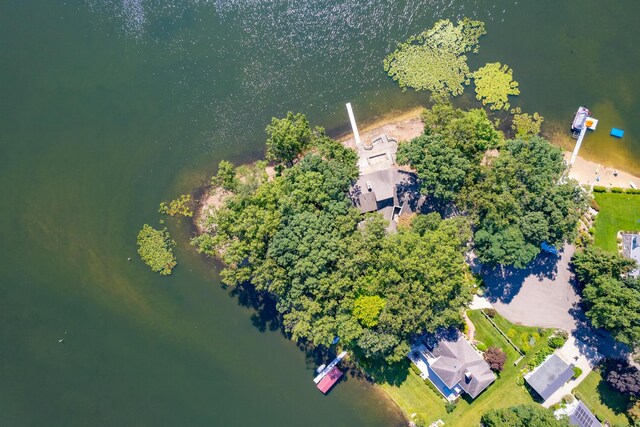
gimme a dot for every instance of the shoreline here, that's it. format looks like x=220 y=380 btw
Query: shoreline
x=403 y=126
x=408 y=124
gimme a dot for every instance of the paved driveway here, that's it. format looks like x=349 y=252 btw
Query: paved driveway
x=541 y=295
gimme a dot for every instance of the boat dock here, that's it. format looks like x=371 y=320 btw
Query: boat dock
x=329 y=375
x=330 y=379
x=329 y=367
x=581 y=122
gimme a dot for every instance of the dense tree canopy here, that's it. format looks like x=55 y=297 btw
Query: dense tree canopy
x=226 y=176
x=623 y=377
x=447 y=157
x=522 y=200
x=288 y=137
x=298 y=238
x=612 y=297
x=495 y=357
x=518 y=199
x=523 y=416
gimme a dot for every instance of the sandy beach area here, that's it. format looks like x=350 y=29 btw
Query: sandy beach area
x=408 y=125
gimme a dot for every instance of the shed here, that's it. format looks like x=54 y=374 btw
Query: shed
x=547 y=378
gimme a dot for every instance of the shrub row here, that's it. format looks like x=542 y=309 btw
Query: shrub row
x=601 y=189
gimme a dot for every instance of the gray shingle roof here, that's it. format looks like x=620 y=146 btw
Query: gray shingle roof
x=550 y=376
x=457 y=358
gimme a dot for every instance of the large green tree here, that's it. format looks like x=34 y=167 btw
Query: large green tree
x=611 y=296
x=288 y=138
x=447 y=157
x=593 y=262
x=523 y=199
x=443 y=169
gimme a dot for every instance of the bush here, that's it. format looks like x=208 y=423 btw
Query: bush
x=623 y=377
x=450 y=407
x=617 y=190
x=576 y=372
x=481 y=346
x=432 y=387
x=568 y=399
x=595 y=205
x=633 y=191
x=599 y=189
x=556 y=341
x=495 y=357
x=539 y=357
x=634 y=412
x=416 y=370
x=491 y=312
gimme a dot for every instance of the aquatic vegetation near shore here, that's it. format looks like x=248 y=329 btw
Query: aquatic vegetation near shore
x=155 y=247
x=526 y=125
x=494 y=83
x=434 y=59
x=177 y=207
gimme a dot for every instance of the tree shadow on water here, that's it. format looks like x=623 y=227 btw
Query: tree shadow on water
x=265 y=315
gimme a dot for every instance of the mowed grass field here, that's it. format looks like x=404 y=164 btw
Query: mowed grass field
x=602 y=400
x=426 y=406
x=618 y=211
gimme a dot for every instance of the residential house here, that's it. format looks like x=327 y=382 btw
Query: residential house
x=453 y=366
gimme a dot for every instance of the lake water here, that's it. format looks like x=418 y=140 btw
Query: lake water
x=109 y=107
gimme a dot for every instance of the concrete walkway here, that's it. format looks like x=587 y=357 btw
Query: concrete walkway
x=478 y=303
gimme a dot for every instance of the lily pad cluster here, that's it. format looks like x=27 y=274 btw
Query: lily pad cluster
x=435 y=59
x=494 y=83
x=526 y=125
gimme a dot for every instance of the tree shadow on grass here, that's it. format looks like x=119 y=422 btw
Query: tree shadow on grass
x=617 y=402
x=381 y=372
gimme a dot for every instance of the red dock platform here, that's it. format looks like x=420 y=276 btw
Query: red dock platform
x=329 y=380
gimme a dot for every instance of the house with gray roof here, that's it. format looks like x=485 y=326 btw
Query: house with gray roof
x=578 y=414
x=391 y=192
x=547 y=378
x=631 y=249
x=453 y=366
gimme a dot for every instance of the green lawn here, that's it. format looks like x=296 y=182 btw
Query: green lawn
x=602 y=400
x=414 y=397
x=618 y=211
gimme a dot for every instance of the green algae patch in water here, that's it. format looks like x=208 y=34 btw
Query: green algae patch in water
x=155 y=247
x=435 y=59
x=524 y=124
x=494 y=83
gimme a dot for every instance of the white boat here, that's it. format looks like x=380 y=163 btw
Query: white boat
x=321 y=368
x=580 y=119
x=326 y=370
